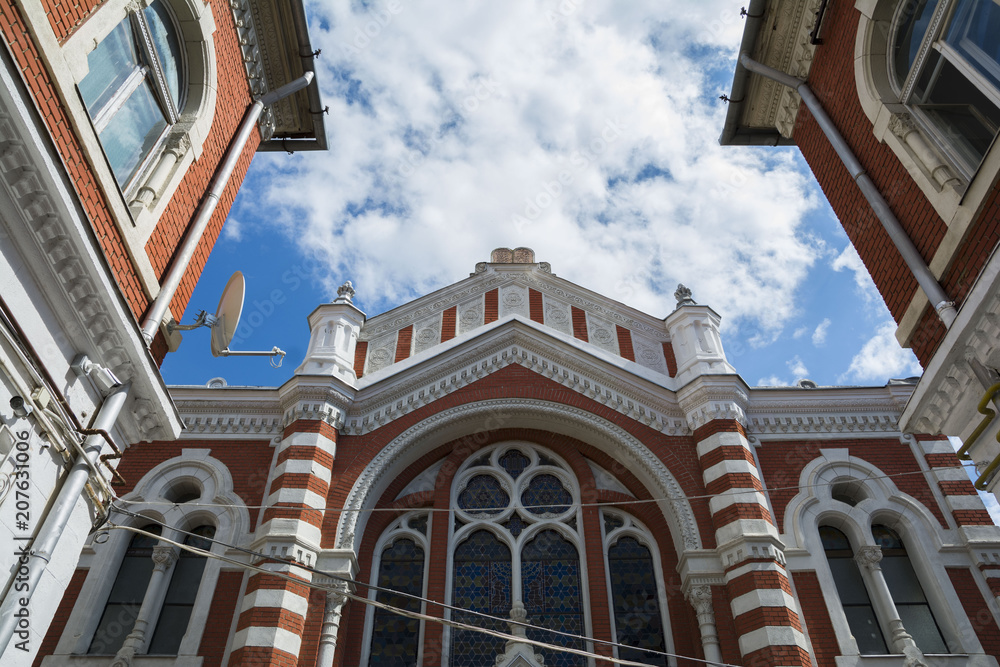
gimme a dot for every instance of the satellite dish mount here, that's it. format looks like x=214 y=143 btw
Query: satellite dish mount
x=225 y=321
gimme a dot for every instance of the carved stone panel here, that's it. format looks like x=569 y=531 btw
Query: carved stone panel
x=602 y=333
x=381 y=353
x=557 y=315
x=426 y=333
x=470 y=315
x=514 y=301
x=649 y=353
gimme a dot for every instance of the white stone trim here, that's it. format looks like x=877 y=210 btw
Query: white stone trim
x=306 y=497
x=273 y=598
x=762 y=597
x=724 y=500
x=269 y=637
x=771 y=635
x=729 y=466
x=770 y=566
x=303 y=467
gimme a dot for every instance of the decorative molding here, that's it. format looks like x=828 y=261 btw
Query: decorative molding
x=869 y=557
x=622 y=445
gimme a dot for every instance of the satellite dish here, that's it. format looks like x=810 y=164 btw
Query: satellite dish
x=227 y=315
x=225 y=322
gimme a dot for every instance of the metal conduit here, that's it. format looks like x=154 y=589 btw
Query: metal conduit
x=44 y=544
x=943 y=306
x=219 y=182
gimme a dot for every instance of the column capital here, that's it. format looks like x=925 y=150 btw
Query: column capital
x=164 y=556
x=869 y=557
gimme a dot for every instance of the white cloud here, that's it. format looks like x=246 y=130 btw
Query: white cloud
x=451 y=124
x=797 y=367
x=233 y=229
x=881 y=358
x=819 y=335
x=800 y=332
x=773 y=381
x=849 y=260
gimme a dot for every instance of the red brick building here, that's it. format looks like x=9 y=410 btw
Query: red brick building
x=126 y=129
x=909 y=162
x=515 y=448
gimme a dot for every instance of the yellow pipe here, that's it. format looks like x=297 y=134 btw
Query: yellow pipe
x=990 y=415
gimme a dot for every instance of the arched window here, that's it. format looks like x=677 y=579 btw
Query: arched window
x=635 y=597
x=395 y=639
x=127 y=593
x=944 y=61
x=516 y=540
x=853 y=593
x=179 y=601
x=907 y=593
x=134 y=88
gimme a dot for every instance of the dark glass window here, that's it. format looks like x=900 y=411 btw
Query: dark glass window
x=853 y=593
x=126 y=596
x=550 y=589
x=394 y=637
x=483 y=495
x=134 y=86
x=482 y=582
x=907 y=593
x=636 y=601
x=546 y=495
x=181 y=593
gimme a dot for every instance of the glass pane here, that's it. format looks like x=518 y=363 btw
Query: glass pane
x=850 y=585
x=964 y=116
x=482 y=582
x=115 y=625
x=168 y=48
x=514 y=462
x=133 y=578
x=132 y=133
x=170 y=629
x=636 y=601
x=546 y=495
x=185 y=580
x=550 y=588
x=483 y=495
x=611 y=522
x=110 y=64
x=395 y=637
x=886 y=538
x=912 y=27
x=833 y=539
x=975 y=34
x=865 y=629
x=902 y=580
x=919 y=622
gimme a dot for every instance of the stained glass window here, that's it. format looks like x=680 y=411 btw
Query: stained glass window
x=514 y=462
x=482 y=582
x=515 y=525
x=636 y=602
x=546 y=495
x=483 y=495
x=419 y=523
x=550 y=588
x=395 y=638
x=612 y=521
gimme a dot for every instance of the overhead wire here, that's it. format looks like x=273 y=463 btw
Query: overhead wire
x=610 y=503
x=397 y=610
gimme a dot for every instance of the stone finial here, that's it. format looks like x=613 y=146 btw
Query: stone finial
x=683 y=296
x=515 y=256
x=345 y=293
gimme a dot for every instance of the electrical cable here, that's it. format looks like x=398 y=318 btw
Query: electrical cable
x=614 y=503
x=404 y=612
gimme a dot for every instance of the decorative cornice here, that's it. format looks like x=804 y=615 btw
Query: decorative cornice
x=515 y=345
x=630 y=451
x=253 y=60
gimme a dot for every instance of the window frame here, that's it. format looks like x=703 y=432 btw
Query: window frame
x=493 y=523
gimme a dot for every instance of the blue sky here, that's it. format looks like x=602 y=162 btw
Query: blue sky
x=449 y=130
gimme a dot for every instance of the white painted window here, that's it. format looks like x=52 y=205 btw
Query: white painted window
x=135 y=87
x=944 y=63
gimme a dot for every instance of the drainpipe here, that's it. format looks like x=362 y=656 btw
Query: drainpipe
x=219 y=182
x=943 y=306
x=44 y=544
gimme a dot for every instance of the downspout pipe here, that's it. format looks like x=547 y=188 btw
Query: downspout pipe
x=37 y=558
x=219 y=182
x=943 y=306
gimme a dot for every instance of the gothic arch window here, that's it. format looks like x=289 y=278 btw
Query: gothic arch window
x=135 y=86
x=185 y=580
x=853 y=593
x=944 y=65
x=635 y=594
x=401 y=563
x=516 y=543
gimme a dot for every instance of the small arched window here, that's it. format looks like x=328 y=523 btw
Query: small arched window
x=134 y=88
x=944 y=61
x=122 y=607
x=907 y=593
x=852 y=591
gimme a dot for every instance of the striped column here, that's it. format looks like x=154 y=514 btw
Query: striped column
x=273 y=614
x=960 y=495
x=764 y=611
